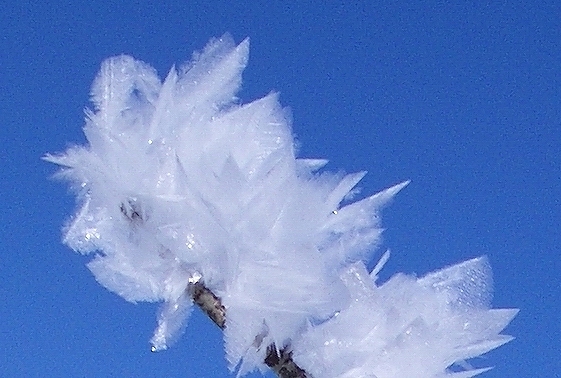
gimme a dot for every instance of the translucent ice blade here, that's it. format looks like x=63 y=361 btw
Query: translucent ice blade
x=172 y=320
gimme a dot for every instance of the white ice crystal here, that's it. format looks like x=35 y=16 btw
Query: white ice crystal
x=407 y=327
x=179 y=182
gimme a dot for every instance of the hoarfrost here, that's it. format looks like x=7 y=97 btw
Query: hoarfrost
x=180 y=183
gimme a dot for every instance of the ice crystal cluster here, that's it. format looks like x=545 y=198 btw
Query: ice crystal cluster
x=181 y=183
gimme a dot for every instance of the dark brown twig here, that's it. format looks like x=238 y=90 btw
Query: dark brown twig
x=209 y=303
x=280 y=361
x=282 y=364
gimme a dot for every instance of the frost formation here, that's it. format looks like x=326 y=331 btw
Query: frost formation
x=179 y=182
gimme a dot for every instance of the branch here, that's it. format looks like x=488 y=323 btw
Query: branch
x=283 y=364
x=280 y=361
x=209 y=303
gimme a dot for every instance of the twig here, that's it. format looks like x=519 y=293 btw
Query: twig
x=209 y=303
x=280 y=361
x=282 y=364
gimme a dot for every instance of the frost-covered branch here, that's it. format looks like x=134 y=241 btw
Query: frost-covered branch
x=280 y=361
x=185 y=194
x=283 y=365
x=209 y=303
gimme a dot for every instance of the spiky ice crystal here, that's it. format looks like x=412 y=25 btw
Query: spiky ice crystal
x=180 y=182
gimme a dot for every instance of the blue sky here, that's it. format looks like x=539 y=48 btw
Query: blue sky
x=461 y=97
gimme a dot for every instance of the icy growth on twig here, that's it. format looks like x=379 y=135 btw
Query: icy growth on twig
x=407 y=327
x=180 y=182
x=171 y=320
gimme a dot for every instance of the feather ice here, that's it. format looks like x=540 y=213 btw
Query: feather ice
x=407 y=327
x=180 y=182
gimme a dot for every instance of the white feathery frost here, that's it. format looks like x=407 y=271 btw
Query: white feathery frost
x=414 y=327
x=180 y=182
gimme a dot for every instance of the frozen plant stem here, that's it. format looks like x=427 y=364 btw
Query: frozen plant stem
x=209 y=303
x=185 y=192
x=283 y=365
x=279 y=361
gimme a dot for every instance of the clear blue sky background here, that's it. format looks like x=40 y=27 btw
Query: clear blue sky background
x=461 y=97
